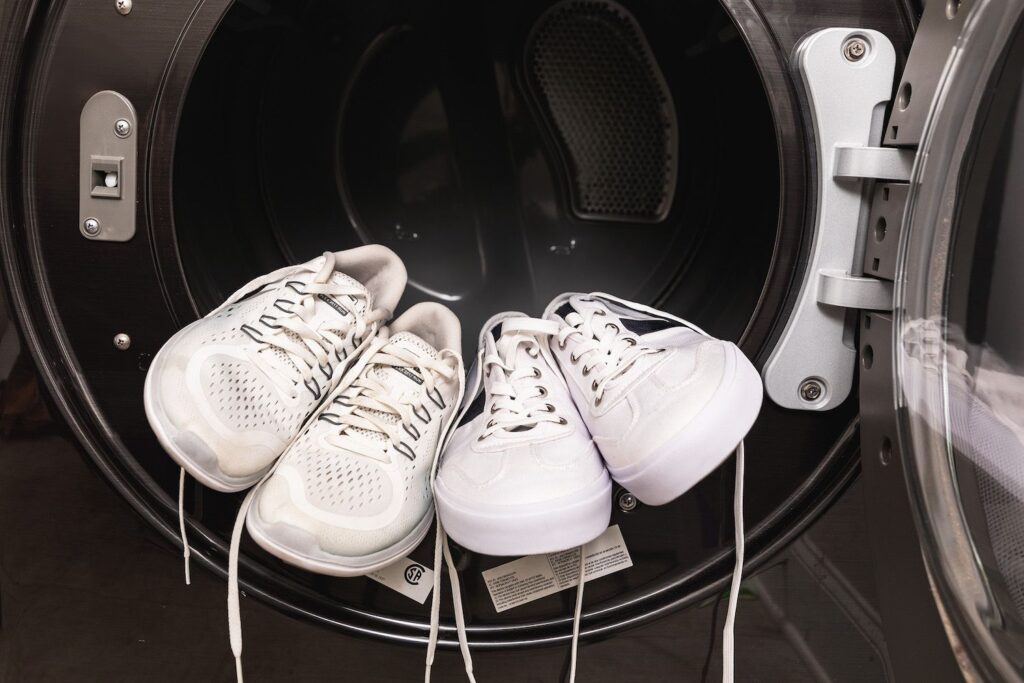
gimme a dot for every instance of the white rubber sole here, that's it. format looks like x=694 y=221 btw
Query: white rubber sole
x=705 y=443
x=300 y=549
x=530 y=529
x=200 y=461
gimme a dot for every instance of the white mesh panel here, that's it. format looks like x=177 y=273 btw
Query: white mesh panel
x=243 y=401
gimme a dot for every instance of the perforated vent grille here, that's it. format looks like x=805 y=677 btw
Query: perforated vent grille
x=596 y=82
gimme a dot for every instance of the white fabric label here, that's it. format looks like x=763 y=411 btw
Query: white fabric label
x=535 y=576
x=408 y=577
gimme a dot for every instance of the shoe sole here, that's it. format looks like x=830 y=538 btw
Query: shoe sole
x=200 y=467
x=320 y=561
x=705 y=443
x=531 y=529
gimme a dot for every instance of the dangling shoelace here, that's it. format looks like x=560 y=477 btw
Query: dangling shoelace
x=358 y=414
x=728 y=631
x=606 y=350
x=517 y=391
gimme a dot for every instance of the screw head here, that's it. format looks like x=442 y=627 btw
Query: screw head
x=854 y=49
x=627 y=501
x=91 y=226
x=123 y=6
x=122 y=342
x=811 y=390
x=122 y=128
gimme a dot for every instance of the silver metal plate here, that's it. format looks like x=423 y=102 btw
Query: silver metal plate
x=847 y=100
x=108 y=129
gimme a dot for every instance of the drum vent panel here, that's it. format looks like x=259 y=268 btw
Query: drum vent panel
x=600 y=92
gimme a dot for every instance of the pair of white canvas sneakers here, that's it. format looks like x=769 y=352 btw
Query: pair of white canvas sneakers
x=597 y=389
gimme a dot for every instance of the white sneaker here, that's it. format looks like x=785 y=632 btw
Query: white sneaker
x=521 y=475
x=228 y=393
x=665 y=403
x=352 y=493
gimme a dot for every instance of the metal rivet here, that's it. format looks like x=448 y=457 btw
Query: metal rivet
x=91 y=226
x=122 y=128
x=123 y=6
x=122 y=342
x=627 y=501
x=811 y=390
x=854 y=49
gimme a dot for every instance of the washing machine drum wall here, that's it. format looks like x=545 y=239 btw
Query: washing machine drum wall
x=507 y=151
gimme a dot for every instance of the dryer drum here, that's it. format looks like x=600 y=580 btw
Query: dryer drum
x=507 y=151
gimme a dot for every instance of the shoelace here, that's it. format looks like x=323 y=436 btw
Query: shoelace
x=311 y=349
x=368 y=405
x=728 y=631
x=374 y=353
x=517 y=391
x=606 y=350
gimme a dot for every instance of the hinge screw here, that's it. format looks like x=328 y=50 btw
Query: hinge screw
x=811 y=390
x=122 y=341
x=123 y=6
x=91 y=226
x=854 y=49
x=122 y=128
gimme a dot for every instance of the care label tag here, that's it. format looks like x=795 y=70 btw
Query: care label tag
x=536 y=576
x=408 y=577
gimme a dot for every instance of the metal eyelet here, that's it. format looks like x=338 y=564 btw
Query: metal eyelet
x=562 y=421
x=490 y=424
x=562 y=343
x=548 y=408
x=573 y=359
x=586 y=371
x=631 y=341
x=599 y=311
x=597 y=402
x=494 y=409
x=536 y=373
x=533 y=352
x=613 y=326
x=480 y=438
x=593 y=385
x=543 y=392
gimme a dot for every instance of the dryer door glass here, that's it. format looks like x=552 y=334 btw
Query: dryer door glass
x=960 y=342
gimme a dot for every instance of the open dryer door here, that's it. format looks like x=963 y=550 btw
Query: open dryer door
x=942 y=377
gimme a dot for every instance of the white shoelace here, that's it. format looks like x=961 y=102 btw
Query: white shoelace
x=517 y=391
x=310 y=349
x=186 y=551
x=606 y=350
x=728 y=631
x=356 y=415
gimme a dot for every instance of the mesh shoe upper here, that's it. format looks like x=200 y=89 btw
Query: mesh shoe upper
x=229 y=392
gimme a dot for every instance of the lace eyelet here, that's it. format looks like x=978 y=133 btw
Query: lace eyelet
x=586 y=370
x=481 y=437
x=532 y=352
x=573 y=359
x=562 y=343
x=494 y=409
x=536 y=373
x=562 y=421
x=597 y=402
x=599 y=311
x=548 y=408
x=613 y=326
x=631 y=341
x=593 y=385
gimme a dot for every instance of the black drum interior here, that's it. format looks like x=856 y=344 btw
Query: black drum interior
x=507 y=151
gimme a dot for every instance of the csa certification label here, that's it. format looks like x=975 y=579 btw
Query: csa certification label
x=536 y=576
x=408 y=577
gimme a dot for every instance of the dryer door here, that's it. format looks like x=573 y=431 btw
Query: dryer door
x=950 y=359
